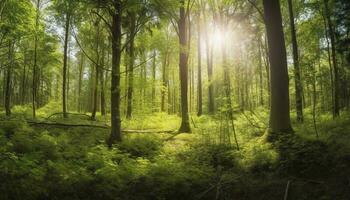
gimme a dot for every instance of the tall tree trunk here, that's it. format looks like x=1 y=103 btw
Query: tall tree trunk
x=8 y=80
x=65 y=58
x=154 y=66
x=131 y=60
x=261 y=86
x=34 y=92
x=81 y=70
x=102 y=84
x=297 y=77
x=329 y=61
x=97 y=71
x=279 y=113
x=24 y=79
x=116 y=135
x=199 y=72
x=165 y=72
x=334 y=60
x=185 y=124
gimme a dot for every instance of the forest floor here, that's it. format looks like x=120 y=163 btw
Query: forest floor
x=40 y=161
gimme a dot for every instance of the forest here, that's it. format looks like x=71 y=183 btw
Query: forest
x=175 y=99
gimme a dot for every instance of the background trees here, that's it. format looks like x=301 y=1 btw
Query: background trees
x=179 y=57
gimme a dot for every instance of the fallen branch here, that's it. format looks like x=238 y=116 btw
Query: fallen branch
x=61 y=113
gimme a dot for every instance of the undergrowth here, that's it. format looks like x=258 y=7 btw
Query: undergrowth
x=55 y=163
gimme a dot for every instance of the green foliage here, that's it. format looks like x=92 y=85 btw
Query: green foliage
x=141 y=146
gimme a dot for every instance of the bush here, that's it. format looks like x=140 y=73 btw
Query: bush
x=141 y=145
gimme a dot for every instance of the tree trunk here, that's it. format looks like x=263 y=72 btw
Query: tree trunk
x=154 y=80
x=279 y=113
x=334 y=60
x=24 y=79
x=131 y=66
x=8 y=80
x=97 y=70
x=261 y=86
x=34 y=92
x=81 y=70
x=199 y=72
x=210 y=72
x=102 y=84
x=65 y=56
x=165 y=71
x=185 y=124
x=115 y=135
x=297 y=78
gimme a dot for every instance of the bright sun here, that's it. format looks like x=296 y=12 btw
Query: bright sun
x=217 y=38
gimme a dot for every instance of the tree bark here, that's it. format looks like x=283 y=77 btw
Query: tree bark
x=165 y=72
x=131 y=59
x=97 y=70
x=261 y=86
x=154 y=66
x=65 y=56
x=81 y=70
x=8 y=80
x=34 y=92
x=199 y=72
x=185 y=124
x=297 y=77
x=115 y=135
x=279 y=113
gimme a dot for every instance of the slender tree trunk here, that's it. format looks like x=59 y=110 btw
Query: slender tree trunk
x=97 y=71
x=34 y=92
x=24 y=79
x=131 y=66
x=334 y=60
x=115 y=135
x=209 y=53
x=81 y=70
x=329 y=61
x=185 y=124
x=102 y=84
x=199 y=72
x=279 y=113
x=8 y=80
x=297 y=77
x=165 y=70
x=261 y=86
x=65 y=56
x=154 y=66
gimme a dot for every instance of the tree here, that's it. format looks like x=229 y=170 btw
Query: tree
x=297 y=77
x=182 y=25
x=64 y=11
x=279 y=113
x=199 y=81
x=116 y=32
x=334 y=59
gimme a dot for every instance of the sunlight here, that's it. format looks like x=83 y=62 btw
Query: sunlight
x=218 y=38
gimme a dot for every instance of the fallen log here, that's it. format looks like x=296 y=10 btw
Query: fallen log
x=61 y=113
x=38 y=123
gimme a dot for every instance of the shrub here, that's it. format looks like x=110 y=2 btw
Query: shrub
x=141 y=146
